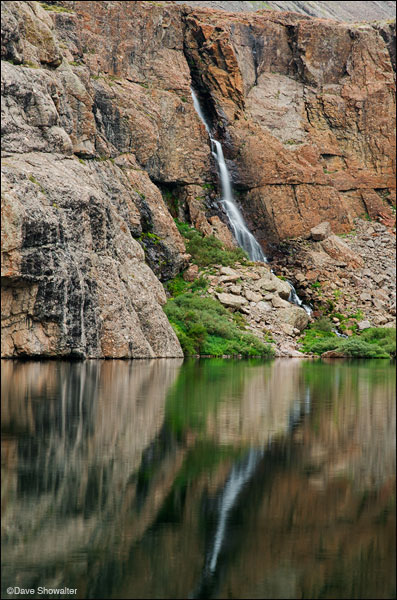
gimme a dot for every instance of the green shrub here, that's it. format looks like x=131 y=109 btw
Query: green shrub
x=319 y=346
x=209 y=250
x=204 y=326
x=323 y=324
x=176 y=286
x=55 y=8
x=384 y=337
x=372 y=343
x=358 y=348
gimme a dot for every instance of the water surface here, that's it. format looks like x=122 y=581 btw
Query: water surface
x=199 y=479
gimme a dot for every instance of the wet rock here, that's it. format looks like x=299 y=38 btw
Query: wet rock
x=333 y=354
x=74 y=279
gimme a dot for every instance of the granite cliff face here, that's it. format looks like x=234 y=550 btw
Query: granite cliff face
x=99 y=129
x=305 y=108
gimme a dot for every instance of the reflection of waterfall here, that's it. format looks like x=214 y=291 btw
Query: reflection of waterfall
x=240 y=474
x=243 y=236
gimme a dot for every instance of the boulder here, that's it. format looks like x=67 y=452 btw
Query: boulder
x=294 y=316
x=252 y=296
x=333 y=354
x=274 y=284
x=279 y=302
x=231 y=300
x=339 y=250
x=191 y=273
x=363 y=325
x=264 y=306
x=321 y=231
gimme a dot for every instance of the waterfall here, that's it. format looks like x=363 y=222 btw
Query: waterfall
x=243 y=236
x=294 y=299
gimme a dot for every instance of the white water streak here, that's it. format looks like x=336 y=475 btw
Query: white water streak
x=238 y=477
x=243 y=236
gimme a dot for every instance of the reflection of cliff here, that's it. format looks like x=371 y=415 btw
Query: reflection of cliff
x=287 y=536
x=264 y=407
x=112 y=489
x=355 y=438
x=81 y=431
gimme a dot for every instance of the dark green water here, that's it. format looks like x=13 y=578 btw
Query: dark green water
x=202 y=479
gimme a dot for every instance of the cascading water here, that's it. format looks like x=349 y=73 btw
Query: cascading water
x=243 y=236
x=294 y=299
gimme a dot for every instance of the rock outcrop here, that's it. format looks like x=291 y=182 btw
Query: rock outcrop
x=262 y=299
x=340 y=11
x=350 y=275
x=102 y=147
x=305 y=110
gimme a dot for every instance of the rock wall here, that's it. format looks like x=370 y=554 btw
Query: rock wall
x=340 y=11
x=97 y=121
x=305 y=108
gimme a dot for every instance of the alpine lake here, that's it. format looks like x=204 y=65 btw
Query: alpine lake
x=202 y=478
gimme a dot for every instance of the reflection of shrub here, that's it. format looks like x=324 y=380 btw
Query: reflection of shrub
x=209 y=250
x=205 y=326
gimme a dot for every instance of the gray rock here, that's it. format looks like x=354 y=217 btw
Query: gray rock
x=264 y=306
x=75 y=281
x=252 y=296
x=279 y=302
x=363 y=325
x=274 y=284
x=231 y=300
x=294 y=316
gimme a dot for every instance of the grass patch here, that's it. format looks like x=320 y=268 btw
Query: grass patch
x=55 y=8
x=204 y=326
x=209 y=250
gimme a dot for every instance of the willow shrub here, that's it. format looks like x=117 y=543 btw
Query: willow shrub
x=204 y=326
x=375 y=342
x=206 y=251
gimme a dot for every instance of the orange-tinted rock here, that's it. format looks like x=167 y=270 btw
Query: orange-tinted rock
x=306 y=110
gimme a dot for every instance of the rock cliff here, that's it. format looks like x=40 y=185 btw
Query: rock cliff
x=101 y=143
